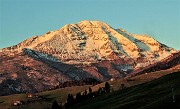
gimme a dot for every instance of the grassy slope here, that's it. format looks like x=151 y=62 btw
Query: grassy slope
x=155 y=94
x=139 y=79
x=60 y=95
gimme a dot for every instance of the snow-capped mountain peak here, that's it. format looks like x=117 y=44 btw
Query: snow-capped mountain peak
x=91 y=41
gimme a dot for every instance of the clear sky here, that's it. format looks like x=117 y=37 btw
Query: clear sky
x=22 y=19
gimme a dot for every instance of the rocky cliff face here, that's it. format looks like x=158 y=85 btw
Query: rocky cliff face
x=76 y=51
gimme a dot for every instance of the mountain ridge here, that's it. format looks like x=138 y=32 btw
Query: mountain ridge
x=92 y=39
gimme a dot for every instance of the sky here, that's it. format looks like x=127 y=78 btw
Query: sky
x=22 y=19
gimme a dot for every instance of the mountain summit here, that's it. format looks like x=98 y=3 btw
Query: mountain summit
x=91 y=41
x=88 y=49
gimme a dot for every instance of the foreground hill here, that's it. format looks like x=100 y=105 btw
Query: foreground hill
x=61 y=94
x=156 y=94
x=88 y=49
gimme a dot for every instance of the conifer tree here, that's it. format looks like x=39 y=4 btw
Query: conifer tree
x=55 y=105
x=107 y=87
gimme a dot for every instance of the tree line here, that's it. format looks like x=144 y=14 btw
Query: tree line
x=72 y=100
x=82 y=82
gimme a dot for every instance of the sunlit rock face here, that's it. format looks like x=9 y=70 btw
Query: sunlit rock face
x=89 y=41
x=75 y=51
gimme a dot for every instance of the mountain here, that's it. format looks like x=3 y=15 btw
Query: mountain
x=88 y=49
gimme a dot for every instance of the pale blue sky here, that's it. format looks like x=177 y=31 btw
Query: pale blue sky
x=22 y=19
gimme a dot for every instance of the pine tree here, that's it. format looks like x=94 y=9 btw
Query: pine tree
x=90 y=90
x=70 y=101
x=55 y=105
x=107 y=87
x=78 y=97
x=85 y=92
x=122 y=86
